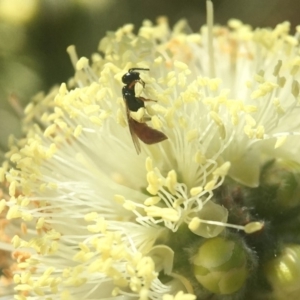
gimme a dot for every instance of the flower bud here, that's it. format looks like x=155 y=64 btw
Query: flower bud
x=220 y=265
x=283 y=273
x=285 y=175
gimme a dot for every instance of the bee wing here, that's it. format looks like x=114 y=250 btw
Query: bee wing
x=147 y=134
x=134 y=137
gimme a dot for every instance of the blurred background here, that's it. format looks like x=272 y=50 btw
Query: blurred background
x=34 y=36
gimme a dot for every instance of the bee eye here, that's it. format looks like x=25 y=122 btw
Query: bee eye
x=126 y=78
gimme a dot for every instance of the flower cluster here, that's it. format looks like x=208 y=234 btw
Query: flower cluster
x=190 y=217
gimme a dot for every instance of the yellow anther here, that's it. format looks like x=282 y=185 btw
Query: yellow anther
x=149 y=165
x=13 y=213
x=154 y=183
x=258 y=78
x=234 y=23
x=78 y=131
x=96 y=120
x=156 y=122
x=172 y=82
x=180 y=65
x=12 y=188
x=168 y=214
x=50 y=130
x=15 y=157
x=249 y=84
x=2 y=205
x=91 y=109
x=200 y=158
x=152 y=201
x=295 y=88
x=214 y=84
x=119 y=199
x=253 y=227
x=40 y=223
x=277 y=68
x=138 y=115
x=82 y=63
x=250 y=108
x=93 y=215
x=196 y=190
x=210 y=185
x=63 y=89
x=222 y=170
x=120 y=118
x=194 y=224
x=192 y=134
x=129 y=205
x=220 y=124
x=171 y=182
x=170 y=117
x=260 y=132
x=281 y=81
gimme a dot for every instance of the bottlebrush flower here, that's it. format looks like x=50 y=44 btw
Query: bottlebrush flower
x=105 y=223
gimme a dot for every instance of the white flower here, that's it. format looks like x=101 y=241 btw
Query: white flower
x=7 y=263
x=102 y=221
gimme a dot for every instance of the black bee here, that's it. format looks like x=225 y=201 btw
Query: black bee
x=138 y=130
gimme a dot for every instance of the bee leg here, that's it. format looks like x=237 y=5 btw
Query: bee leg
x=134 y=82
x=146 y=100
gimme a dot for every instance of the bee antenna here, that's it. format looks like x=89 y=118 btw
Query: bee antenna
x=141 y=69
